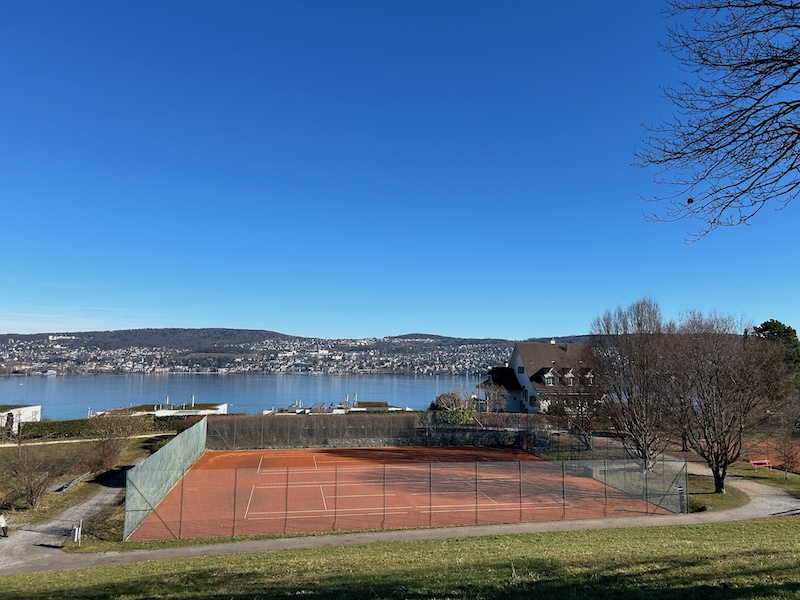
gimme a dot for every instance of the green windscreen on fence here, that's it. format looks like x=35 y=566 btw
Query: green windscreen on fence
x=149 y=481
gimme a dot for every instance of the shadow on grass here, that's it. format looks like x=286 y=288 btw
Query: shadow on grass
x=113 y=478
x=760 y=574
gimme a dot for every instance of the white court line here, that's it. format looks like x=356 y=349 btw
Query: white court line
x=324 y=504
x=402 y=510
x=249 y=500
x=261 y=460
x=314 y=457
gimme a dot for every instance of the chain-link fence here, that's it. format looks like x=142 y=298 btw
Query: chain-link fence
x=662 y=486
x=254 y=501
x=150 y=481
x=241 y=432
x=244 y=432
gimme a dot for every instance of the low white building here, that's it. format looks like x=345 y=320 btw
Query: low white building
x=168 y=409
x=13 y=414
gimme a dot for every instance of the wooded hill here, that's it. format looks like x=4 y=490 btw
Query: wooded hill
x=214 y=339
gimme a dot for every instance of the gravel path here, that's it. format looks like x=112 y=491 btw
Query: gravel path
x=37 y=548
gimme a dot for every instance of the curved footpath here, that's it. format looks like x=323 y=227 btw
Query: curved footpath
x=37 y=548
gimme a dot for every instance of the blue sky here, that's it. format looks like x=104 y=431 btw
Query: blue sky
x=350 y=169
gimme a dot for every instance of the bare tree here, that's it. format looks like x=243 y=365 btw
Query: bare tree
x=787 y=451
x=627 y=357
x=725 y=383
x=495 y=397
x=112 y=433
x=732 y=144
x=35 y=467
x=455 y=400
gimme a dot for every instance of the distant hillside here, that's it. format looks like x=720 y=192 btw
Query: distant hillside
x=445 y=339
x=193 y=339
x=216 y=339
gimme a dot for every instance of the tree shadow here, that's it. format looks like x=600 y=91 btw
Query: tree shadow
x=113 y=478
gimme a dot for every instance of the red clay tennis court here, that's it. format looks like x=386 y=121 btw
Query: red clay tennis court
x=311 y=490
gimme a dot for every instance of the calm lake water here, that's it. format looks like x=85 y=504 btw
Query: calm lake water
x=70 y=397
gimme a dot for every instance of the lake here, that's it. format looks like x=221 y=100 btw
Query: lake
x=72 y=396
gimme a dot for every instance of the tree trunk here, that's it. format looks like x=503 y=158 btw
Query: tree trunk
x=719 y=481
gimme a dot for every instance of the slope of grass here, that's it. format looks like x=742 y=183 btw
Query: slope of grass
x=702 y=496
x=755 y=559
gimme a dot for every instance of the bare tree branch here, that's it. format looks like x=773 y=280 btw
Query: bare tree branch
x=732 y=144
x=627 y=354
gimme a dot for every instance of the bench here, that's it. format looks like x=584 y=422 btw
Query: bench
x=763 y=462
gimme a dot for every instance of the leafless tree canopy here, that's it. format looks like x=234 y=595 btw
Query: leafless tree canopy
x=731 y=145
x=455 y=400
x=724 y=383
x=627 y=354
x=495 y=397
x=112 y=435
x=34 y=468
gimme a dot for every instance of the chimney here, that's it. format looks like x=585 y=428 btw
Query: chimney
x=553 y=341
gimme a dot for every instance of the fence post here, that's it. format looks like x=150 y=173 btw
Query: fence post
x=180 y=514
x=563 y=491
x=336 y=497
x=605 y=487
x=430 y=494
x=476 y=493
x=235 y=487
x=383 y=524
x=286 y=504
x=519 y=465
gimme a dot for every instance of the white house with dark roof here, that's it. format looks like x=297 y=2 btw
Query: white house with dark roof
x=11 y=415
x=539 y=372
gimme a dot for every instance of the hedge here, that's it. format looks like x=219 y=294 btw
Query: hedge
x=55 y=429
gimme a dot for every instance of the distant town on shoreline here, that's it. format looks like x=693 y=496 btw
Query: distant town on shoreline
x=215 y=350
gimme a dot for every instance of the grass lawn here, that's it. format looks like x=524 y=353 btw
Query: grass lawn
x=753 y=559
x=702 y=496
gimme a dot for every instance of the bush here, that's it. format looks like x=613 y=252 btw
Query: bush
x=169 y=423
x=456 y=416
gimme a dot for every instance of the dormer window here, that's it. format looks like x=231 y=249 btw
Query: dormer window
x=549 y=380
x=589 y=379
x=570 y=380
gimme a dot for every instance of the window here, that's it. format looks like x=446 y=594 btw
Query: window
x=520 y=370
x=570 y=380
x=549 y=380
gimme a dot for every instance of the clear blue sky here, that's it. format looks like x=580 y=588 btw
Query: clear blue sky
x=349 y=169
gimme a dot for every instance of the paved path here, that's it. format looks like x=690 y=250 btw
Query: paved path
x=37 y=548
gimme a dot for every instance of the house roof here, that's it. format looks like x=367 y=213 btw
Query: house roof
x=535 y=356
x=7 y=407
x=540 y=359
x=503 y=376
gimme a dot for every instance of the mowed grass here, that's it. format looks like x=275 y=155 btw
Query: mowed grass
x=702 y=496
x=751 y=559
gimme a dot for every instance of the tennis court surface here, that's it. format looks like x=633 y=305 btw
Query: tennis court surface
x=299 y=491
